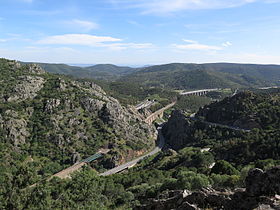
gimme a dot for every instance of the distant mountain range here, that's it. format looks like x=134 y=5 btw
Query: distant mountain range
x=177 y=75
x=101 y=71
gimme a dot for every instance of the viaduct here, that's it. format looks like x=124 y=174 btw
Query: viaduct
x=158 y=114
x=198 y=92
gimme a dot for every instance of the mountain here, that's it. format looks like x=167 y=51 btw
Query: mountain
x=178 y=75
x=56 y=121
x=267 y=72
x=110 y=69
x=101 y=71
x=190 y=76
x=239 y=129
x=48 y=122
x=245 y=110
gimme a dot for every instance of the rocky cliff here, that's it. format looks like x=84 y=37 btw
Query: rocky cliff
x=61 y=119
x=177 y=130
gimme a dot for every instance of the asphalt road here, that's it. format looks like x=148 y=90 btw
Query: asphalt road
x=161 y=142
x=221 y=125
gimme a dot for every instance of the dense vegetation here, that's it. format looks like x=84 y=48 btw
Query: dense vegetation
x=131 y=94
x=48 y=123
x=177 y=78
x=247 y=110
x=178 y=75
x=191 y=103
x=102 y=71
x=209 y=155
x=238 y=73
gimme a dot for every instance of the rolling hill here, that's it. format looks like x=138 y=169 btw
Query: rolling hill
x=195 y=77
x=107 y=72
x=177 y=75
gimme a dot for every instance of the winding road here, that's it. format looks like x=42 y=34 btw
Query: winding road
x=161 y=142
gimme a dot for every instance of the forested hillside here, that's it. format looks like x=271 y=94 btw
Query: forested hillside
x=107 y=72
x=48 y=123
x=178 y=75
x=43 y=128
x=267 y=72
x=245 y=110
x=191 y=76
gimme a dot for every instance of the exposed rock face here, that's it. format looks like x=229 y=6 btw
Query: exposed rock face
x=176 y=130
x=51 y=105
x=34 y=69
x=92 y=105
x=14 y=129
x=70 y=116
x=212 y=199
x=258 y=195
x=27 y=88
x=75 y=158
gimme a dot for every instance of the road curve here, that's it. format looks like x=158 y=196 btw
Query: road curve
x=161 y=142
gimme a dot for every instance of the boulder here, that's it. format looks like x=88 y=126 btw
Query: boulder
x=259 y=182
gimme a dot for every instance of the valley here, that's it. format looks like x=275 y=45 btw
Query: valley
x=139 y=105
x=133 y=146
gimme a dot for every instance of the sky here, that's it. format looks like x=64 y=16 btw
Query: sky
x=140 y=32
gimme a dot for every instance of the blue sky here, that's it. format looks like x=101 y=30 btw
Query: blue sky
x=140 y=32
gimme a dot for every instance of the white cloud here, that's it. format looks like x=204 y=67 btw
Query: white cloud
x=82 y=24
x=93 y=41
x=171 y=6
x=3 y=40
x=77 y=39
x=194 y=45
x=124 y=46
x=227 y=44
x=190 y=41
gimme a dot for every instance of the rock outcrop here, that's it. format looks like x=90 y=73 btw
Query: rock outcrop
x=13 y=127
x=176 y=130
x=260 y=193
x=75 y=118
x=27 y=88
x=259 y=182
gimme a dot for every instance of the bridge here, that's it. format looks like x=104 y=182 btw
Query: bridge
x=158 y=114
x=66 y=172
x=77 y=166
x=198 y=92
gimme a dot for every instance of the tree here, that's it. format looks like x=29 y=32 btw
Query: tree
x=224 y=167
